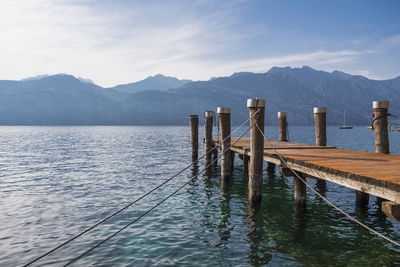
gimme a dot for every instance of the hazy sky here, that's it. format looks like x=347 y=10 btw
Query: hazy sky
x=113 y=42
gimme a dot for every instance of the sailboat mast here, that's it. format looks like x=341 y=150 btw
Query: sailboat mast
x=344 y=117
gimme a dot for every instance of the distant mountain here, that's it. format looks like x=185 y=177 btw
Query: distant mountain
x=295 y=90
x=57 y=99
x=158 y=82
x=64 y=99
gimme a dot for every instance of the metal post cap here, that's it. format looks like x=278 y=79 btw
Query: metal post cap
x=320 y=110
x=208 y=114
x=194 y=116
x=256 y=103
x=223 y=110
x=282 y=114
x=380 y=104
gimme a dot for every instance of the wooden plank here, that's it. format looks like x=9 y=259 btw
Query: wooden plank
x=244 y=142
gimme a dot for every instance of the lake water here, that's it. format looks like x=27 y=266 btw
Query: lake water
x=58 y=181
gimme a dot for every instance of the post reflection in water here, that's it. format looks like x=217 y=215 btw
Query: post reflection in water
x=321 y=187
x=257 y=237
x=209 y=181
x=210 y=171
x=195 y=172
x=224 y=226
x=271 y=172
x=299 y=223
x=361 y=209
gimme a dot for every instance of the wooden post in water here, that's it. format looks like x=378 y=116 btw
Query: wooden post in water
x=246 y=160
x=298 y=185
x=282 y=126
x=194 y=128
x=380 y=126
x=226 y=159
x=320 y=135
x=208 y=128
x=232 y=161
x=299 y=190
x=256 y=149
x=320 y=126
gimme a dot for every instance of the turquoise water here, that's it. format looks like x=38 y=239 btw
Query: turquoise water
x=57 y=181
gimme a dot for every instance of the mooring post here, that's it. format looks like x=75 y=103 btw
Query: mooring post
x=209 y=144
x=320 y=136
x=282 y=126
x=194 y=127
x=232 y=161
x=320 y=126
x=246 y=160
x=380 y=126
x=224 y=115
x=300 y=189
x=256 y=149
x=299 y=185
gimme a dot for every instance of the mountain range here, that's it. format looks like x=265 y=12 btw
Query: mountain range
x=159 y=100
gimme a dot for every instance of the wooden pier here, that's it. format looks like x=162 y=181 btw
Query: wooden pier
x=367 y=173
x=372 y=173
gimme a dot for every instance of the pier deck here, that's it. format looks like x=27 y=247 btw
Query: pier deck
x=373 y=173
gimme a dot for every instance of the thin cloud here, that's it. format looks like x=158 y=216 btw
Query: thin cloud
x=123 y=42
x=317 y=58
x=115 y=42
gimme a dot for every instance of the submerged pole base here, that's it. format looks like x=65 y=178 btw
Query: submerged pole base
x=300 y=195
x=255 y=200
x=362 y=199
x=255 y=189
x=271 y=166
x=226 y=179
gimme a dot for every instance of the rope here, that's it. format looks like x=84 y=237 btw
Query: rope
x=131 y=203
x=381 y=116
x=155 y=206
x=325 y=199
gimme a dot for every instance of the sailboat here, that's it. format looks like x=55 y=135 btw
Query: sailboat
x=344 y=122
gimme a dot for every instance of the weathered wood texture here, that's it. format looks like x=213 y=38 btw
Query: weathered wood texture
x=256 y=145
x=246 y=160
x=282 y=123
x=380 y=125
x=320 y=135
x=299 y=189
x=320 y=127
x=226 y=159
x=299 y=186
x=244 y=142
x=381 y=130
x=194 y=127
x=208 y=140
x=391 y=209
x=372 y=173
